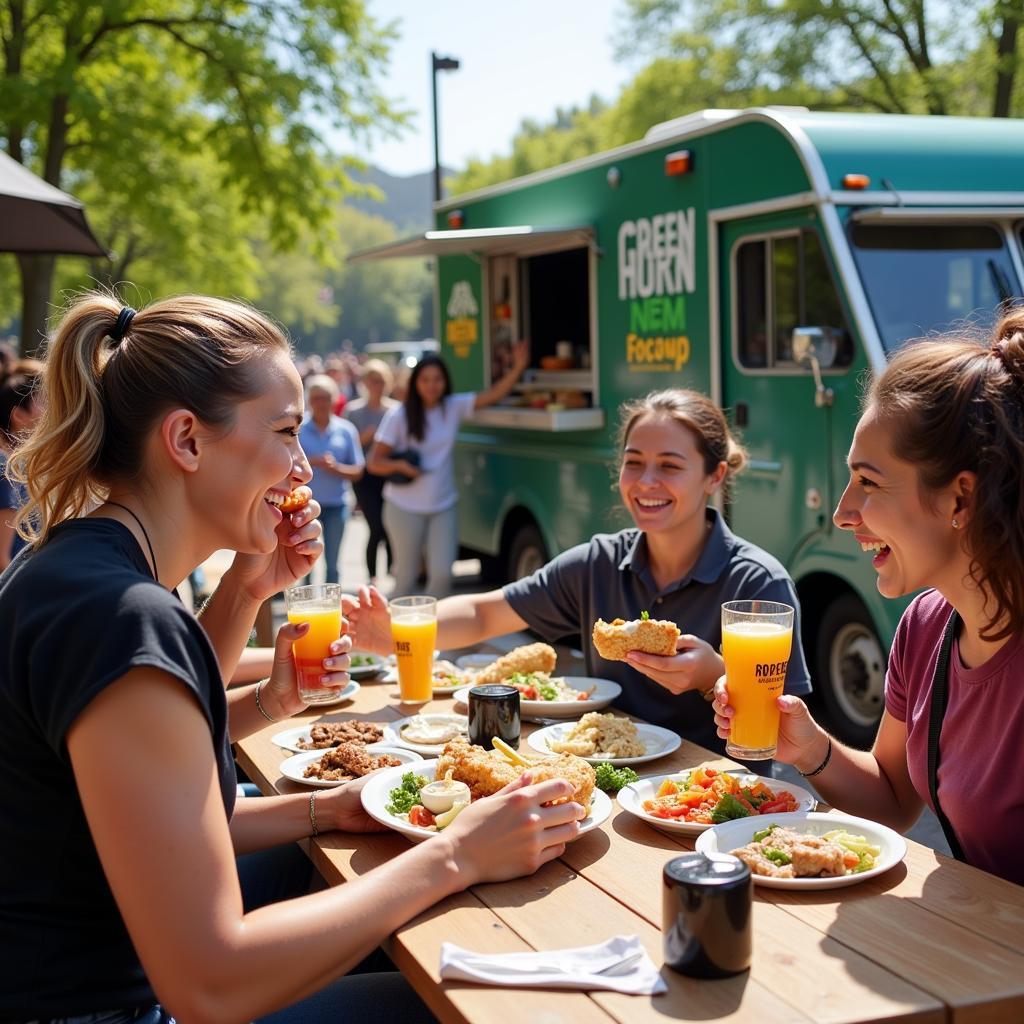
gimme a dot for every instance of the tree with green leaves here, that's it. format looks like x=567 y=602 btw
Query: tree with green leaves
x=187 y=124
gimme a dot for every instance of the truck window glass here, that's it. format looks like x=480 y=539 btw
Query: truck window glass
x=922 y=278
x=558 y=287
x=791 y=268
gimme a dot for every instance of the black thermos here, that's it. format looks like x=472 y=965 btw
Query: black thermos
x=493 y=711
x=705 y=914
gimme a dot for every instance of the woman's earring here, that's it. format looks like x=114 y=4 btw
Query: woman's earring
x=955 y=524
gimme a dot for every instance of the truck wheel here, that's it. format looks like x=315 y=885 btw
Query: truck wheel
x=850 y=666
x=527 y=553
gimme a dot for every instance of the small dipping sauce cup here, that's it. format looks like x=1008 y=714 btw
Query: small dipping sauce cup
x=706 y=914
x=493 y=711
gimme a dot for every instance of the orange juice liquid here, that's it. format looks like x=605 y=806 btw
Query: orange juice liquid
x=309 y=651
x=756 y=655
x=415 y=635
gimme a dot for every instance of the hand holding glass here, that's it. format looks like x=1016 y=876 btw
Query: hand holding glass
x=320 y=606
x=414 y=631
x=757 y=637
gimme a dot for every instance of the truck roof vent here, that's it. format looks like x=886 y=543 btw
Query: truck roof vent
x=688 y=123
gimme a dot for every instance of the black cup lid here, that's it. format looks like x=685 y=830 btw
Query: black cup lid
x=493 y=690
x=707 y=868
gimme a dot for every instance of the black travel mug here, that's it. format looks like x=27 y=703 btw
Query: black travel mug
x=706 y=914
x=493 y=711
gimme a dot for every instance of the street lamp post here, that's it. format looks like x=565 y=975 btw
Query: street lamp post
x=438 y=64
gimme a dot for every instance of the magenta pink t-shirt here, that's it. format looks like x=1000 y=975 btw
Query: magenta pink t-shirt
x=981 y=785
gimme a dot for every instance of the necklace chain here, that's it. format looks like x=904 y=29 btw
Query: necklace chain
x=145 y=534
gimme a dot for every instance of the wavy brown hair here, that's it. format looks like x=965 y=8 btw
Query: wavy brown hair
x=102 y=398
x=955 y=405
x=700 y=416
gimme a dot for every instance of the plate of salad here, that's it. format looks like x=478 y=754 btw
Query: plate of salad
x=410 y=800
x=690 y=802
x=363 y=665
x=807 y=850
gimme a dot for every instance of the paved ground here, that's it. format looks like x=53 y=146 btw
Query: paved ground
x=927 y=831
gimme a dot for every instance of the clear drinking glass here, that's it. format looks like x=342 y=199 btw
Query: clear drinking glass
x=414 y=631
x=320 y=606
x=757 y=637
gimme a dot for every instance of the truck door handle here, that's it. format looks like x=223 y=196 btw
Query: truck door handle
x=741 y=414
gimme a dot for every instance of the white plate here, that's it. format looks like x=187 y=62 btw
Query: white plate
x=347 y=692
x=375 y=800
x=293 y=767
x=732 y=834
x=605 y=691
x=375 y=668
x=657 y=740
x=289 y=738
x=631 y=798
x=393 y=732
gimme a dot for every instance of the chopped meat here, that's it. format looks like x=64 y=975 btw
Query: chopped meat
x=348 y=761
x=329 y=734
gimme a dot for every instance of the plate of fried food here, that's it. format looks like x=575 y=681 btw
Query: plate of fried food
x=605 y=737
x=343 y=763
x=322 y=735
x=422 y=800
x=426 y=734
x=690 y=802
x=529 y=669
x=808 y=850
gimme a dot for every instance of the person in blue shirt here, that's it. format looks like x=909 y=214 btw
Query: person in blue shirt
x=332 y=446
x=19 y=411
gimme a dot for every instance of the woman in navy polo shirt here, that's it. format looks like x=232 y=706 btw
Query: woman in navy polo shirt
x=680 y=561
x=332 y=447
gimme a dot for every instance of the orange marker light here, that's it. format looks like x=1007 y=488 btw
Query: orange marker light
x=456 y=219
x=856 y=181
x=680 y=162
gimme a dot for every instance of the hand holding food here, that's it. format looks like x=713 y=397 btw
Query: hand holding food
x=299 y=498
x=695 y=665
x=342 y=809
x=614 y=640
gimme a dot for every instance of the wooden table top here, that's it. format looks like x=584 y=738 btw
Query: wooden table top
x=931 y=940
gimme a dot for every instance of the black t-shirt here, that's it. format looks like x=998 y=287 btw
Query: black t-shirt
x=75 y=616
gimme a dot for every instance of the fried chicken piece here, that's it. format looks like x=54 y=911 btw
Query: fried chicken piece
x=531 y=658
x=348 y=761
x=486 y=772
x=329 y=734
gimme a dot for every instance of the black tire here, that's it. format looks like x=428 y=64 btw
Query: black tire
x=850 y=667
x=526 y=554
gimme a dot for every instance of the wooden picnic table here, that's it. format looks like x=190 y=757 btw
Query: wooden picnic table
x=931 y=940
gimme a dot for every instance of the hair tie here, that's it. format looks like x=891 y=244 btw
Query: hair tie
x=124 y=320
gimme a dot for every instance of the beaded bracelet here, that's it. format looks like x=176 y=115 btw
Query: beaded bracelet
x=312 y=813
x=824 y=764
x=259 y=707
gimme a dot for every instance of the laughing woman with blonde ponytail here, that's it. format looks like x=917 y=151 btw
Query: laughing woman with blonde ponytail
x=129 y=890
x=935 y=500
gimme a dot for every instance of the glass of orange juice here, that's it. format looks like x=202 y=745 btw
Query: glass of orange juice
x=756 y=640
x=414 y=630
x=320 y=606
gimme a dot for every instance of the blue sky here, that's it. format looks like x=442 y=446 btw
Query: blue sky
x=519 y=59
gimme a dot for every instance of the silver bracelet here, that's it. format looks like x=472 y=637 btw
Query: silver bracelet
x=259 y=707
x=312 y=813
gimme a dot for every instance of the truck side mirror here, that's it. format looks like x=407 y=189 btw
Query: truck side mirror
x=817 y=348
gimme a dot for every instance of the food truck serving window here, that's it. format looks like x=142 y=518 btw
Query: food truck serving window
x=921 y=278
x=782 y=282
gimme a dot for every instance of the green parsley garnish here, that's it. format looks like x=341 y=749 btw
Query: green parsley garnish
x=644 y=616
x=402 y=799
x=612 y=779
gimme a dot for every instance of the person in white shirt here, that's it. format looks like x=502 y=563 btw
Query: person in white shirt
x=420 y=498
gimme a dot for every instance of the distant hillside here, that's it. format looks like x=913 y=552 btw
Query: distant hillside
x=408 y=200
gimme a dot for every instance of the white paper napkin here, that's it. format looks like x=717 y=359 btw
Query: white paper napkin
x=559 y=968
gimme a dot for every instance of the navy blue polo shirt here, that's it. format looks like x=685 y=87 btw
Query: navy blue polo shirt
x=610 y=577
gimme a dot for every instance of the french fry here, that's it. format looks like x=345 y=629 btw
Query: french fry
x=506 y=751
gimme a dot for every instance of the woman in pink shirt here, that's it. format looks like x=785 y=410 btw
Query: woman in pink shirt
x=936 y=499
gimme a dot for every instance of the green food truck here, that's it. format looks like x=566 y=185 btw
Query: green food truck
x=768 y=257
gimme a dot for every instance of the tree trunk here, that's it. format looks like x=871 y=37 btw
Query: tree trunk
x=1012 y=12
x=36 y=288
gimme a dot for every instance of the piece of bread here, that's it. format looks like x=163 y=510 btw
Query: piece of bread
x=615 y=639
